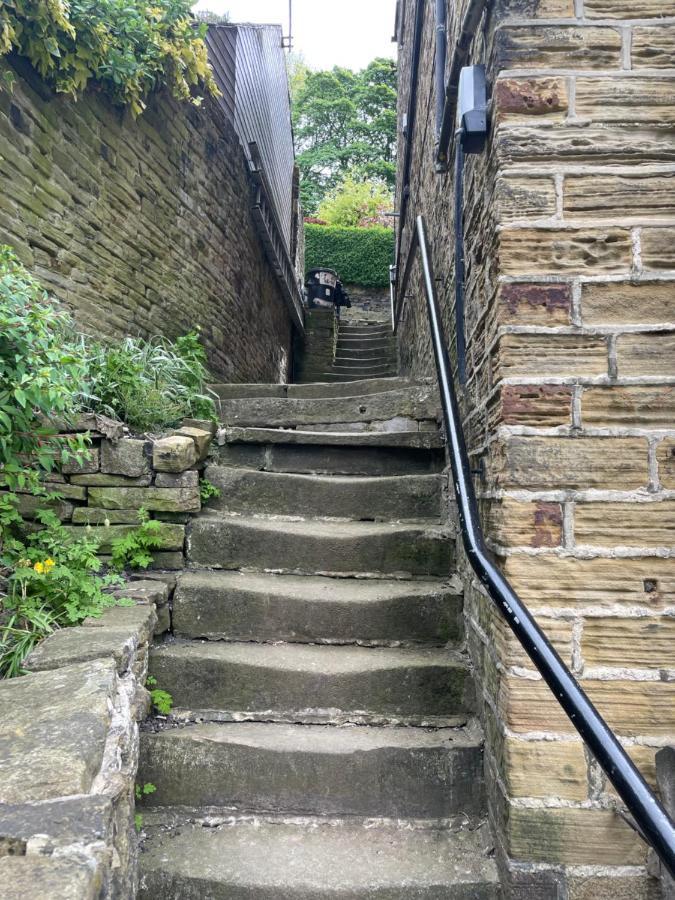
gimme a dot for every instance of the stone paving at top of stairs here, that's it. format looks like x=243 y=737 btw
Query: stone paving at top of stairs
x=316 y=664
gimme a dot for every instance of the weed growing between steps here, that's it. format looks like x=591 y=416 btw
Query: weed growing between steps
x=50 y=579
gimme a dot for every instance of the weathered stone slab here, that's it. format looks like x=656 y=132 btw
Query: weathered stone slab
x=152 y=498
x=552 y=581
x=63 y=822
x=92 y=422
x=93 y=515
x=203 y=424
x=68 y=491
x=665 y=458
x=202 y=439
x=521 y=99
x=538 y=356
x=519 y=197
x=174 y=454
x=101 y=479
x=658 y=247
x=646 y=354
x=653 y=46
x=53 y=725
x=630 y=303
x=537 y=405
x=556 y=46
x=187 y=479
x=632 y=406
x=624 y=524
x=29 y=505
x=129 y=457
x=537 y=463
x=626 y=99
x=91 y=462
x=49 y=878
x=545 y=769
x=624 y=9
x=619 y=196
x=647 y=642
x=553 y=251
x=573 y=837
x=116 y=634
x=514 y=523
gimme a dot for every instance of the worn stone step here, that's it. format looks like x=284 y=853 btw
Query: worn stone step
x=365 y=452
x=402 y=497
x=254 y=861
x=353 y=357
x=243 y=606
x=304 y=682
x=420 y=402
x=314 y=546
x=312 y=389
x=373 y=346
x=317 y=770
x=369 y=386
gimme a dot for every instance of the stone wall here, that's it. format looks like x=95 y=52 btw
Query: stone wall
x=141 y=226
x=69 y=756
x=569 y=406
x=368 y=304
x=69 y=728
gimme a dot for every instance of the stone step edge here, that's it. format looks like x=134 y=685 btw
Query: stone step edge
x=207 y=716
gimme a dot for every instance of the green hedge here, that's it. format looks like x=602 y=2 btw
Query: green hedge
x=359 y=255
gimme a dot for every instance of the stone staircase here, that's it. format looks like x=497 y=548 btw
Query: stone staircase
x=323 y=742
x=364 y=350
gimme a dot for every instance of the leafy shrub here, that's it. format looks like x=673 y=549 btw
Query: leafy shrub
x=148 y=384
x=52 y=580
x=353 y=200
x=41 y=371
x=359 y=255
x=130 y=47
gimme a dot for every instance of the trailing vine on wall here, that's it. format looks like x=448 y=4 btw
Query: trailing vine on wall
x=129 y=47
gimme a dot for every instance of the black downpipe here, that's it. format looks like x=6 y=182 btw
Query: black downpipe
x=410 y=126
x=439 y=64
x=649 y=816
x=459 y=258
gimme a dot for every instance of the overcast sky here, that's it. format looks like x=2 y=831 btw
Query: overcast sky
x=326 y=32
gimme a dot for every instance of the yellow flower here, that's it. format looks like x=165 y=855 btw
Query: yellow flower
x=44 y=568
x=39 y=567
x=49 y=565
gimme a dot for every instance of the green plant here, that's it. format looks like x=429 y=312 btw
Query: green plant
x=352 y=201
x=359 y=255
x=148 y=384
x=41 y=370
x=52 y=580
x=133 y=550
x=128 y=46
x=138 y=821
x=207 y=490
x=162 y=701
x=142 y=790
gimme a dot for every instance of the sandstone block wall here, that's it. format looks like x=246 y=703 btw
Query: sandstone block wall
x=141 y=227
x=569 y=406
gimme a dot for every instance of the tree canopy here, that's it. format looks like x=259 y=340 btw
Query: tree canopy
x=345 y=124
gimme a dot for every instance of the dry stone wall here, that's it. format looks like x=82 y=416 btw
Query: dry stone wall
x=141 y=226
x=569 y=406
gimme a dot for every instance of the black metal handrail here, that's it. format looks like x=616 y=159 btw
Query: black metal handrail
x=649 y=817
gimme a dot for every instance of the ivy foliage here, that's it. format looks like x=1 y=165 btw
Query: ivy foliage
x=359 y=255
x=129 y=47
